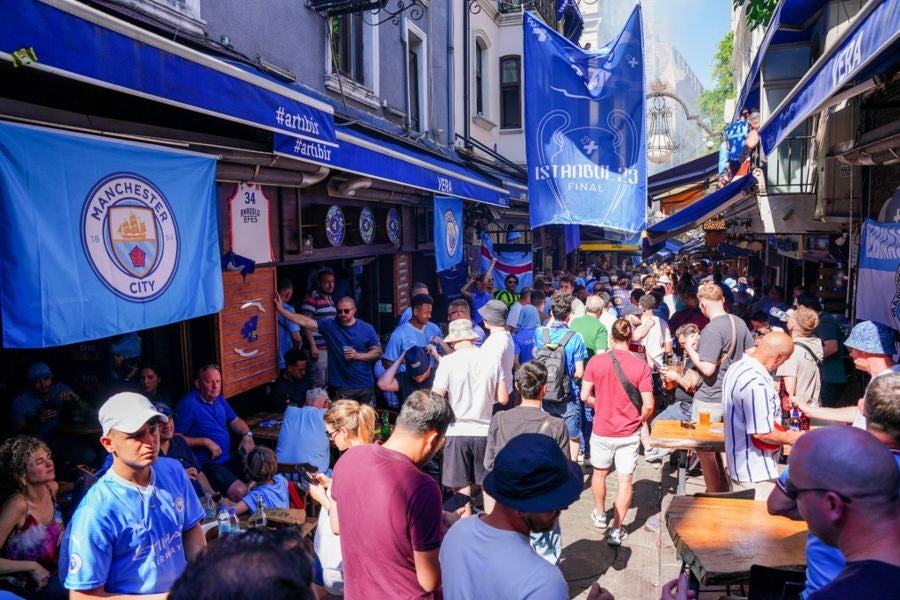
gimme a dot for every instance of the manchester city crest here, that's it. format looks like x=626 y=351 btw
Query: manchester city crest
x=451 y=239
x=130 y=236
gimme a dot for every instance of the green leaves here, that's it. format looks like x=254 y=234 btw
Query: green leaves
x=759 y=12
x=712 y=101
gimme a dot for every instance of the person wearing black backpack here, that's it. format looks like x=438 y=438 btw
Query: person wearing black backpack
x=562 y=352
x=800 y=372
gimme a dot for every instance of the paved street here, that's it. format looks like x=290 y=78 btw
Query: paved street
x=647 y=552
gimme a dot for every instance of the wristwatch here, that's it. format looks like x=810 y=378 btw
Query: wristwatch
x=248 y=434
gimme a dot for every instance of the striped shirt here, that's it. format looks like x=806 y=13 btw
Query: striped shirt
x=751 y=406
x=320 y=307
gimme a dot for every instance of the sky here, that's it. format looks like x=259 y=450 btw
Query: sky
x=695 y=27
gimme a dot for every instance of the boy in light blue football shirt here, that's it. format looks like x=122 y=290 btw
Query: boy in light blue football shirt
x=137 y=526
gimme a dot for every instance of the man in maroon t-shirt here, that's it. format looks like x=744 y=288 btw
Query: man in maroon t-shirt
x=388 y=512
x=616 y=434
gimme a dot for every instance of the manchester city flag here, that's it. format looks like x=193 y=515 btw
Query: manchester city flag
x=102 y=237
x=585 y=129
x=448 y=230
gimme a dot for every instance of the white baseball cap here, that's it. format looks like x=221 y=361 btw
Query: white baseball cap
x=127 y=412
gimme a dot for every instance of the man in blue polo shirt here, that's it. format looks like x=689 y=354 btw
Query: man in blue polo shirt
x=138 y=525
x=206 y=421
x=576 y=353
x=354 y=346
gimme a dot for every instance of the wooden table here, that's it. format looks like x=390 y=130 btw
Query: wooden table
x=720 y=538
x=703 y=438
x=265 y=435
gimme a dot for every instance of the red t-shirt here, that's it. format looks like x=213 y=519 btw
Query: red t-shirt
x=387 y=508
x=614 y=414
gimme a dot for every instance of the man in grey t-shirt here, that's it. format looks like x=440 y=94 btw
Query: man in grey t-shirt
x=722 y=342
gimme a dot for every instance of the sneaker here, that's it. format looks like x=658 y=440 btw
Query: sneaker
x=581 y=457
x=616 y=535
x=656 y=454
x=599 y=519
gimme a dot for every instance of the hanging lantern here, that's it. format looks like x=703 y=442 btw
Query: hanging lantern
x=659 y=138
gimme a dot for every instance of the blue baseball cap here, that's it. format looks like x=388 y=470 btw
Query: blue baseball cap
x=38 y=371
x=417 y=361
x=872 y=337
x=533 y=475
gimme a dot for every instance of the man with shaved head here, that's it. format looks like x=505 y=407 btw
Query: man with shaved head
x=845 y=484
x=753 y=431
x=882 y=411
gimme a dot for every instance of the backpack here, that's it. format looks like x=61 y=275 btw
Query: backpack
x=553 y=357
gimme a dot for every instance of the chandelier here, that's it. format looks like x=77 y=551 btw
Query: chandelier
x=660 y=144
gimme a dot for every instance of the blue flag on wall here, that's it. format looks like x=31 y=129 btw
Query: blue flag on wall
x=448 y=231
x=585 y=129
x=102 y=237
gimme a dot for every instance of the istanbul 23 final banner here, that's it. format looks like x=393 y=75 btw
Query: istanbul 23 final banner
x=585 y=129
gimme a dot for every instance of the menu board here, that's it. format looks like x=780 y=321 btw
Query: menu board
x=402 y=281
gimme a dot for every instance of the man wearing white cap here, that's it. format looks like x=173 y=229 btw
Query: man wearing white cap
x=138 y=525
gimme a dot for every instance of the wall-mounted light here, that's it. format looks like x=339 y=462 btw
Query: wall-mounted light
x=307 y=244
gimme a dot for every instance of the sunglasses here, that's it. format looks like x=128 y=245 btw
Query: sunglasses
x=794 y=492
x=210 y=367
x=344 y=311
x=331 y=434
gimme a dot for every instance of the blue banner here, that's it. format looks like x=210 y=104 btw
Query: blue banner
x=85 y=44
x=102 y=237
x=585 y=129
x=873 y=36
x=878 y=286
x=448 y=232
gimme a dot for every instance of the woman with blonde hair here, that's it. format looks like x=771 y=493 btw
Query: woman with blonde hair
x=31 y=523
x=348 y=424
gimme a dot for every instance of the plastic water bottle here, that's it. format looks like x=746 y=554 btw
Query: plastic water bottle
x=224 y=522
x=234 y=521
x=778 y=314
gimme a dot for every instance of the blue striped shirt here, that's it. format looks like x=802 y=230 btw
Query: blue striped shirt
x=751 y=406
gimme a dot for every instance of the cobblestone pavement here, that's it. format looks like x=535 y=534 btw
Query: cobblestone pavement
x=645 y=560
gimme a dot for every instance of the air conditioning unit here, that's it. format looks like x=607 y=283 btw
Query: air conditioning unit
x=333 y=8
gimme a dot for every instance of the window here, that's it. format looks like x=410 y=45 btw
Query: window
x=348 y=47
x=510 y=93
x=480 y=54
x=184 y=15
x=417 y=89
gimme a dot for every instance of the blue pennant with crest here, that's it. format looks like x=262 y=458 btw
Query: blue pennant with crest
x=585 y=130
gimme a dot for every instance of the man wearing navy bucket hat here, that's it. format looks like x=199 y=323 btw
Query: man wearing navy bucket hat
x=532 y=482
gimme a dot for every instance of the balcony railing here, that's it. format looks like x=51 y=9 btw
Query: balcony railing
x=791 y=167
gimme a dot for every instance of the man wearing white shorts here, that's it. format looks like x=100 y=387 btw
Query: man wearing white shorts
x=610 y=382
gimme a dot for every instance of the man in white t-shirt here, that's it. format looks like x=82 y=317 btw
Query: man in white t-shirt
x=753 y=431
x=499 y=345
x=653 y=333
x=489 y=555
x=468 y=379
x=512 y=317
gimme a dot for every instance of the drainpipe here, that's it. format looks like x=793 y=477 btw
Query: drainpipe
x=465 y=62
x=451 y=134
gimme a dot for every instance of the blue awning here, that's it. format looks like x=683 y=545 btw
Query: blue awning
x=700 y=211
x=869 y=43
x=692 y=171
x=76 y=41
x=573 y=23
x=791 y=23
x=367 y=155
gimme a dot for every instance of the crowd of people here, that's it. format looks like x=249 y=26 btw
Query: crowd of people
x=502 y=409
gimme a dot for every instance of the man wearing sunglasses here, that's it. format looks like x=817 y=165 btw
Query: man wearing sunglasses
x=823 y=561
x=845 y=485
x=350 y=371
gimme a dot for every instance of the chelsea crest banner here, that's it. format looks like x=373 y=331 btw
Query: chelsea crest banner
x=102 y=237
x=448 y=232
x=585 y=129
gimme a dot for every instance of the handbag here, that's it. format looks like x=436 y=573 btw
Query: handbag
x=632 y=392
